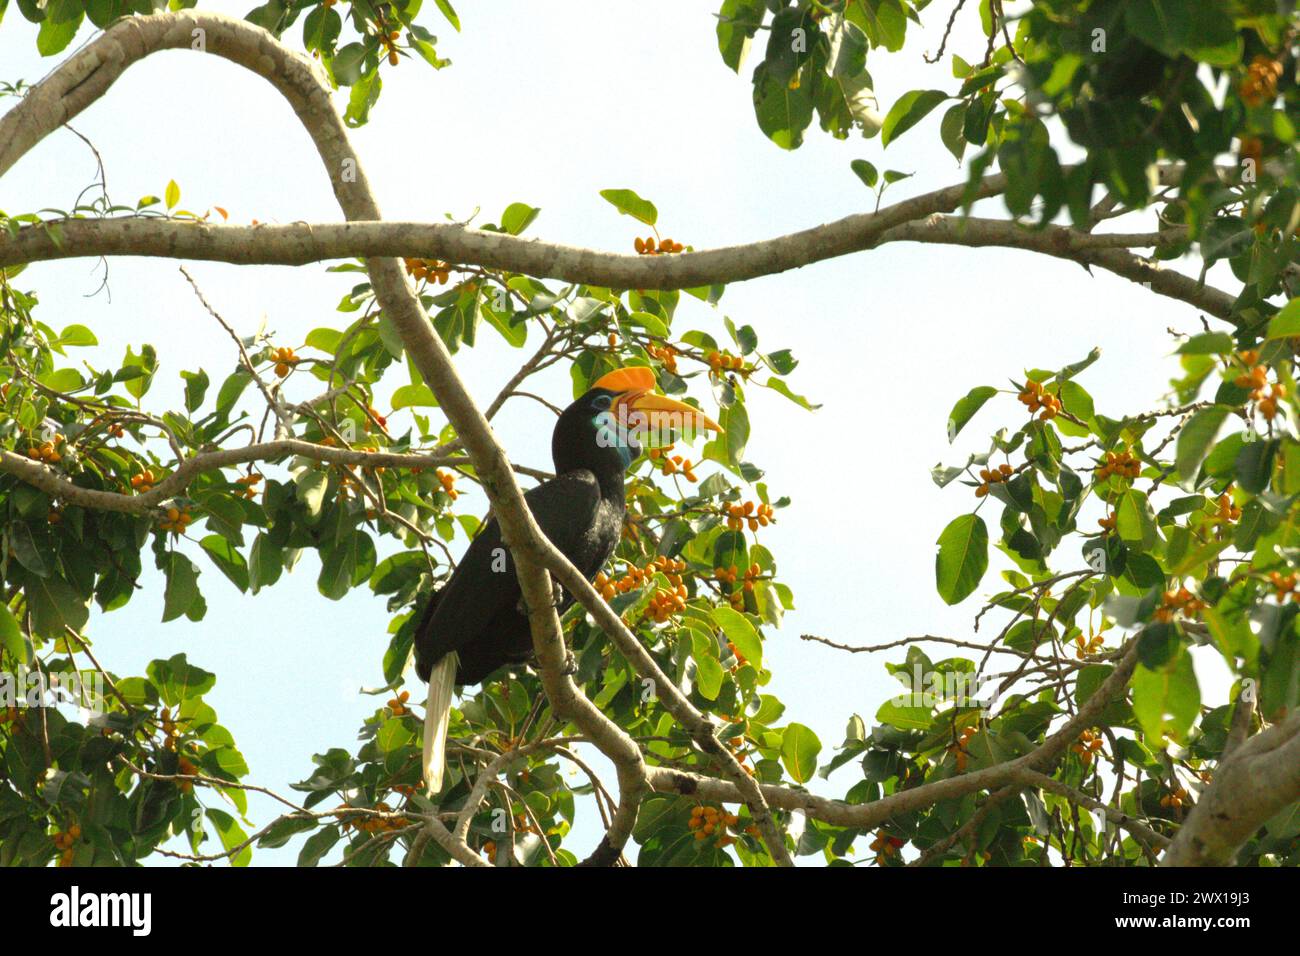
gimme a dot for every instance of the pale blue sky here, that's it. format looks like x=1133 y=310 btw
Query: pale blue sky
x=548 y=104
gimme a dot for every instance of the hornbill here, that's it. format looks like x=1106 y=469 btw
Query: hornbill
x=476 y=622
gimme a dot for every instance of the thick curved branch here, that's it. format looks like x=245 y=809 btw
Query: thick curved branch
x=915 y=220
x=54 y=482
x=869 y=815
x=1260 y=778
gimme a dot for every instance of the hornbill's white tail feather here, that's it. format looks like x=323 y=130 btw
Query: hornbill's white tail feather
x=437 y=715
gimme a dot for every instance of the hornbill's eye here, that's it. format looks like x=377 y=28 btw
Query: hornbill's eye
x=602 y=402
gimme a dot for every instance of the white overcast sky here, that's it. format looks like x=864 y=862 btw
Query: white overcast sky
x=548 y=103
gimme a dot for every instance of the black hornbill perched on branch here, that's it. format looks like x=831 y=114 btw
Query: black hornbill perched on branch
x=475 y=623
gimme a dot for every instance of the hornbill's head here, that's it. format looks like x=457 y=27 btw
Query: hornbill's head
x=604 y=429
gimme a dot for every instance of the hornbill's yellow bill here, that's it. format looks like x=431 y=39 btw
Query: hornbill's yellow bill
x=634 y=388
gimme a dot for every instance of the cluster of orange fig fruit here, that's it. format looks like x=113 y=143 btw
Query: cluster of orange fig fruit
x=992 y=476
x=448 y=482
x=958 y=749
x=754 y=514
x=633 y=577
x=709 y=821
x=1125 y=464
x=1285 y=586
x=672 y=464
x=1226 y=511
x=1086 y=747
x=648 y=246
x=885 y=846
x=1040 y=400
x=1255 y=379
x=47 y=452
x=176 y=520
x=64 y=841
x=1259 y=85
x=248 y=482
x=1174 y=603
x=434 y=271
x=1084 y=647
x=143 y=481
x=720 y=362
x=666 y=354
x=372 y=824
x=284 y=359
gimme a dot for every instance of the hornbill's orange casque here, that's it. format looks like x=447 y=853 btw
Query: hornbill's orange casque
x=476 y=623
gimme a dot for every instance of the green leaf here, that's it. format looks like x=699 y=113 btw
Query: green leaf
x=651 y=323
x=265 y=563
x=172 y=194
x=146 y=362
x=1166 y=701
x=1254 y=464
x=1195 y=439
x=29 y=551
x=783 y=113
x=338 y=565
x=196 y=387
x=738 y=21
x=230 y=390
x=317 y=845
x=910 y=109
x=231 y=835
x=11 y=636
x=182 y=590
x=630 y=204
x=409 y=396
x=178 y=680
x=905 y=716
x=1204 y=31
x=1207 y=343
x=951 y=129
x=1286 y=323
x=866 y=172
x=311 y=486
x=54 y=605
x=1136 y=524
x=966 y=408
x=778 y=385
x=347 y=63
x=62 y=380
x=227 y=559
x=518 y=217
x=77 y=336
x=449 y=13
x=963 y=558
x=799 y=750
x=708 y=670
x=54 y=37
x=740 y=632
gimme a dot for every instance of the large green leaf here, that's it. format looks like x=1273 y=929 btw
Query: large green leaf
x=963 y=558
x=966 y=408
x=741 y=633
x=182 y=591
x=910 y=109
x=1195 y=439
x=799 y=750
x=630 y=204
x=1167 y=700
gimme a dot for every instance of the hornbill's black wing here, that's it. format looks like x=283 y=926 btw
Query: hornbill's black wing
x=484 y=591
